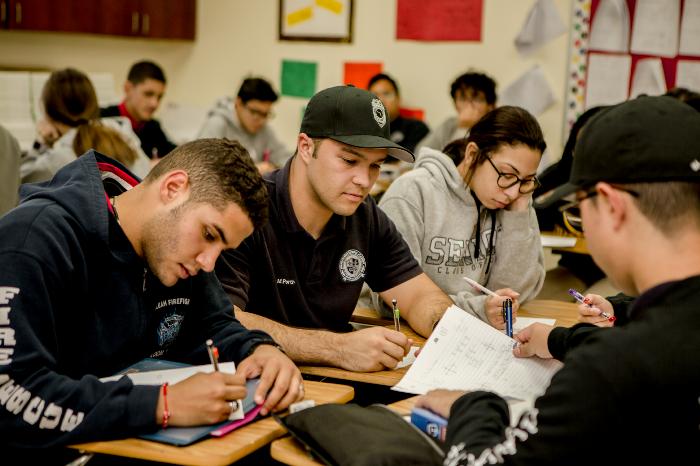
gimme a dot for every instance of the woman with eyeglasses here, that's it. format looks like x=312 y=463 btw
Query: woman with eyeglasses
x=467 y=212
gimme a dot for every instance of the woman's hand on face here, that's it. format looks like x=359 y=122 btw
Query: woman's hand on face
x=520 y=204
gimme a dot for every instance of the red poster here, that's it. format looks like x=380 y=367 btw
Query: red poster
x=439 y=19
x=358 y=74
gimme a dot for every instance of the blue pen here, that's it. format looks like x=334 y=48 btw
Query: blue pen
x=508 y=316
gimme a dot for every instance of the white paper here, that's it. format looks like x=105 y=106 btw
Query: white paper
x=522 y=322
x=104 y=88
x=464 y=353
x=551 y=241
x=656 y=27
x=543 y=24
x=610 y=30
x=690 y=29
x=409 y=359
x=648 y=78
x=608 y=77
x=688 y=75
x=530 y=91
x=173 y=376
x=38 y=81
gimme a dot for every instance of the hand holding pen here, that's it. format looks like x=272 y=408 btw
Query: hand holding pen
x=496 y=313
x=592 y=308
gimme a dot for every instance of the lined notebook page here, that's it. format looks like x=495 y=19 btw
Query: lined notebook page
x=464 y=353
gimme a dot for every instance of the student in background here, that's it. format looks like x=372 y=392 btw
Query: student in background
x=635 y=390
x=404 y=131
x=143 y=90
x=71 y=126
x=467 y=211
x=245 y=119
x=98 y=271
x=473 y=95
x=9 y=171
x=299 y=277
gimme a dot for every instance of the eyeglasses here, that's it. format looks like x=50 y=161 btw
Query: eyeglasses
x=506 y=180
x=571 y=211
x=260 y=114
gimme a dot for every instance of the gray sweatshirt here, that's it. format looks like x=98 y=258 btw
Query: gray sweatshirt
x=436 y=213
x=222 y=122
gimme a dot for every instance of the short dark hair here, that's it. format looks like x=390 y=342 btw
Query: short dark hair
x=220 y=171
x=69 y=97
x=144 y=70
x=505 y=125
x=258 y=89
x=477 y=82
x=383 y=77
x=668 y=205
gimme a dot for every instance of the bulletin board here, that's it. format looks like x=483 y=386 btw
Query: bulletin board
x=580 y=52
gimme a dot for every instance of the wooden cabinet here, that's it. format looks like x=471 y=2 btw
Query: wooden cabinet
x=156 y=19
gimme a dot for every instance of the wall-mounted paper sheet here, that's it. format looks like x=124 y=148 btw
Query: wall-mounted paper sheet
x=543 y=24
x=610 y=30
x=608 y=79
x=648 y=78
x=688 y=75
x=530 y=91
x=656 y=27
x=690 y=28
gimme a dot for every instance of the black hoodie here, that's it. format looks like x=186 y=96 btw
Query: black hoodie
x=78 y=303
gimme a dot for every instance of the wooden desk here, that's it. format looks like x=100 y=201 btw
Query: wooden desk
x=218 y=451
x=564 y=313
x=288 y=451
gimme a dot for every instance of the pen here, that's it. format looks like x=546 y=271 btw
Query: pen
x=213 y=354
x=479 y=287
x=397 y=316
x=508 y=316
x=581 y=299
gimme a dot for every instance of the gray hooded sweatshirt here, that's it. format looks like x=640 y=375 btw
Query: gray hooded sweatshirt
x=436 y=213
x=222 y=122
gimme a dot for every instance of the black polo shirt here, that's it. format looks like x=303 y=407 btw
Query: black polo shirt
x=283 y=273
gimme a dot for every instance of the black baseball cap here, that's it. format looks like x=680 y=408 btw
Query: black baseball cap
x=353 y=116
x=645 y=140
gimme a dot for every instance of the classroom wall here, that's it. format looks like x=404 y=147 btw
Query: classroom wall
x=236 y=38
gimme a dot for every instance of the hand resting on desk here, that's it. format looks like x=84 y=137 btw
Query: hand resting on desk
x=372 y=349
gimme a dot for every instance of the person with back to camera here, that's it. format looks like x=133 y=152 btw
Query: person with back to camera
x=628 y=394
x=467 y=211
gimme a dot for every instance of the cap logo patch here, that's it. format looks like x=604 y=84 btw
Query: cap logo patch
x=378 y=112
x=695 y=165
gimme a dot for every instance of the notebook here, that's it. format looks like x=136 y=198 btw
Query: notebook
x=157 y=371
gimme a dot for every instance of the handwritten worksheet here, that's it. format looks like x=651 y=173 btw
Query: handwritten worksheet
x=464 y=353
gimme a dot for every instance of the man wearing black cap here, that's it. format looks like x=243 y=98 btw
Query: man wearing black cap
x=300 y=276
x=627 y=395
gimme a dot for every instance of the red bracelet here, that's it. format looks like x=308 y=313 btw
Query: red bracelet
x=166 y=413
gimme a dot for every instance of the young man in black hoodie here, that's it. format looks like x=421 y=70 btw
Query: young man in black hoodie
x=627 y=395
x=98 y=272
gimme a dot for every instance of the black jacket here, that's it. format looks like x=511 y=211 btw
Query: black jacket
x=151 y=134
x=78 y=303
x=627 y=395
